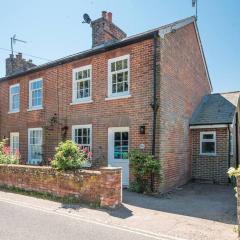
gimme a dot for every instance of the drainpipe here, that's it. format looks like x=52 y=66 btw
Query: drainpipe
x=229 y=149
x=154 y=103
x=237 y=143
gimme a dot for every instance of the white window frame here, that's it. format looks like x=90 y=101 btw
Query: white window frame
x=30 y=95
x=11 y=110
x=122 y=94
x=29 y=153
x=76 y=100
x=208 y=140
x=74 y=127
x=12 y=135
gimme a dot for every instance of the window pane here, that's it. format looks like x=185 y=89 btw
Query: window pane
x=119 y=65
x=113 y=67
x=114 y=79
x=85 y=74
x=208 y=147
x=120 y=77
x=117 y=136
x=208 y=136
x=114 y=88
x=125 y=63
x=125 y=136
x=120 y=87
x=15 y=102
x=15 y=90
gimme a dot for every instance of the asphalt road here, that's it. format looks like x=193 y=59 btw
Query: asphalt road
x=23 y=223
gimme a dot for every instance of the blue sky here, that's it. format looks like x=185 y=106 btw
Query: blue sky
x=53 y=29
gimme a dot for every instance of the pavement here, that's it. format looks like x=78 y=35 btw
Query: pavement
x=193 y=212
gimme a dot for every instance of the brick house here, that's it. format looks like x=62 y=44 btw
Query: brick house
x=123 y=93
x=214 y=139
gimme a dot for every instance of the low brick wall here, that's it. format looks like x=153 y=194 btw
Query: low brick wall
x=101 y=187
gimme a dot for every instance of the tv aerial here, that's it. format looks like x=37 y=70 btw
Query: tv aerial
x=86 y=18
x=195 y=4
x=14 y=40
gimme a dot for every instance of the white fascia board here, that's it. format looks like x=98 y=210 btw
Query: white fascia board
x=209 y=126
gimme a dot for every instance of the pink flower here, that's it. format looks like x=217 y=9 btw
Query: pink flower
x=6 y=150
x=89 y=154
x=17 y=153
x=85 y=150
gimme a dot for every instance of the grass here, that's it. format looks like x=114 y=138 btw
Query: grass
x=69 y=200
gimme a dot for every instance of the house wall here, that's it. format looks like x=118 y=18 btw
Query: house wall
x=181 y=85
x=210 y=168
x=57 y=96
x=183 y=82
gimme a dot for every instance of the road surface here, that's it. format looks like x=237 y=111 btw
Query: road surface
x=19 y=222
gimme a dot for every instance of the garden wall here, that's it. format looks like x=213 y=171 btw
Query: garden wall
x=102 y=187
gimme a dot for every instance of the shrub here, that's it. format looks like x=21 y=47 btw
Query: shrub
x=143 y=167
x=6 y=156
x=233 y=172
x=70 y=156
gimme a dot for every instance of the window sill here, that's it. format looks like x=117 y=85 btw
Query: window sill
x=81 y=102
x=34 y=109
x=208 y=154
x=117 y=97
x=13 y=112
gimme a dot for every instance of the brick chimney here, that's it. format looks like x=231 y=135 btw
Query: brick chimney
x=104 y=30
x=17 y=64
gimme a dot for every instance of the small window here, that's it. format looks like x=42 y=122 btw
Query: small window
x=14 y=98
x=35 y=94
x=208 y=143
x=119 y=76
x=82 y=83
x=82 y=135
x=14 y=142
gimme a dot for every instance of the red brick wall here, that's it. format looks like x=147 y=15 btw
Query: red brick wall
x=101 y=187
x=210 y=168
x=182 y=85
x=57 y=86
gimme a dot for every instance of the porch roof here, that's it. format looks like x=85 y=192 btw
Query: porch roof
x=217 y=108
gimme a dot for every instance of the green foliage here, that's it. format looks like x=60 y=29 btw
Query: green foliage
x=6 y=156
x=143 y=167
x=233 y=172
x=69 y=156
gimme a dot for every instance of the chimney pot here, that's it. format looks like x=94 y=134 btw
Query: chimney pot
x=19 y=56
x=104 y=30
x=104 y=14
x=109 y=17
x=17 y=64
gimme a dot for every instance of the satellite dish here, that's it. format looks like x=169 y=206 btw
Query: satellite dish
x=86 y=18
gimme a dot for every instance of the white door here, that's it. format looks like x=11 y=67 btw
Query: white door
x=118 y=145
x=34 y=145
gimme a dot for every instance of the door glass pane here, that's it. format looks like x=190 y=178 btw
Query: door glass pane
x=121 y=145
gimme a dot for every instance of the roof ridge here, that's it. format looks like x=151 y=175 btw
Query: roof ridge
x=225 y=92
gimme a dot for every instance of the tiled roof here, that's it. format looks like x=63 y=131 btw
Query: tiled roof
x=217 y=108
